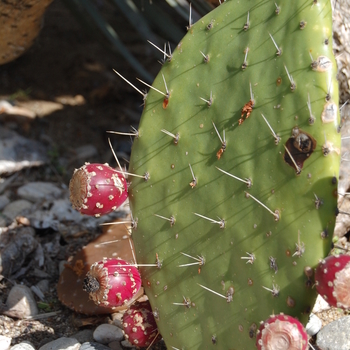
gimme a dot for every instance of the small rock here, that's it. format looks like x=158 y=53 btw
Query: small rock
x=127 y=344
x=4 y=221
x=17 y=152
x=38 y=292
x=39 y=255
x=37 y=191
x=335 y=335
x=117 y=318
x=43 y=285
x=106 y=333
x=59 y=215
x=3 y=201
x=16 y=245
x=93 y=346
x=23 y=346
x=320 y=305
x=5 y=342
x=61 y=266
x=85 y=152
x=53 y=247
x=21 y=301
x=314 y=325
x=115 y=345
x=16 y=208
x=39 y=273
x=62 y=344
x=86 y=335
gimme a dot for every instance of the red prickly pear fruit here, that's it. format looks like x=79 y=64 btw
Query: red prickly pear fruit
x=139 y=325
x=281 y=332
x=332 y=278
x=97 y=189
x=112 y=282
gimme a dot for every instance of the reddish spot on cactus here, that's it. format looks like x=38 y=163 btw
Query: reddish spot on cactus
x=220 y=152
x=111 y=282
x=140 y=325
x=97 y=189
x=165 y=102
x=246 y=111
x=281 y=332
x=332 y=278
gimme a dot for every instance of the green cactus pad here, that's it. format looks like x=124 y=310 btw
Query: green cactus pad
x=245 y=239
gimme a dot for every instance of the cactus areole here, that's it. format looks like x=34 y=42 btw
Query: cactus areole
x=332 y=278
x=97 y=189
x=112 y=282
x=241 y=161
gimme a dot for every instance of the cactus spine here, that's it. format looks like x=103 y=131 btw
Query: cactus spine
x=241 y=152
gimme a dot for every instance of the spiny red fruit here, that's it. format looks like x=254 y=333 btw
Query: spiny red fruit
x=332 y=278
x=97 y=189
x=139 y=325
x=281 y=332
x=112 y=282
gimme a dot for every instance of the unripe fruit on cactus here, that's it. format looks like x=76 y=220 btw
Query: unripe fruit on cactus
x=281 y=332
x=332 y=278
x=97 y=189
x=112 y=282
x=139 y=325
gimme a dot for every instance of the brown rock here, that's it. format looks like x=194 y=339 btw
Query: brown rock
x=114 y=242
x=20 y=23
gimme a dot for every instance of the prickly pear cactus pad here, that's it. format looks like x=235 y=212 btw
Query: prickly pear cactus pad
x=240 y=152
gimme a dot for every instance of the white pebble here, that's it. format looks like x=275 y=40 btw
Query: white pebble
x=23 y=346
x=314 y=325
x=5 y=342
x=320 y=305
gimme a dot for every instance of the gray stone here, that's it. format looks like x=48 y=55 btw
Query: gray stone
x=3 y=201
x=93 y=346
x=5 y=342
x=18 y=152
x=85 y=152
x=4 y=221
x=62 y=344
x=15 y=246
x=127 y=344
x=16 y=208
x=23 y=346
x=86 y=335
x=21 y=300
x=335 y=336
x=106 y=333
x=115 y=345
x=43 y=285
x=37 y=191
